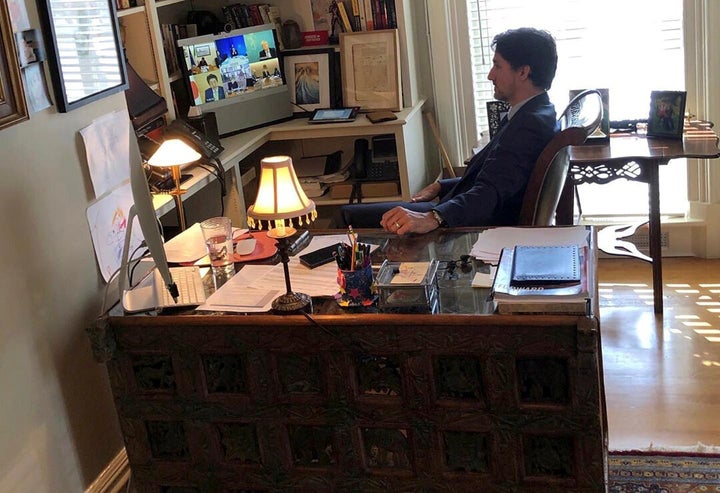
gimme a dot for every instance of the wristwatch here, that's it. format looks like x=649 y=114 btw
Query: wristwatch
x=438 y=218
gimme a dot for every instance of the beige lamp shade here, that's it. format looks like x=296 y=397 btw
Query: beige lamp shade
x=173 y=152
x=280 y=195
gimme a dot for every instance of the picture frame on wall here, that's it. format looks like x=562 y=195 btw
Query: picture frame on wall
x=311 y=75
x=86 y=59
x=13 y=108
x=370 y=67
x=667 y=114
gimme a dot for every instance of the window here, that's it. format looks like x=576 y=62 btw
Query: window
x=629 y=47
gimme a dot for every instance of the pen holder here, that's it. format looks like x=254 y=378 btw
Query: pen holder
x=356 y=287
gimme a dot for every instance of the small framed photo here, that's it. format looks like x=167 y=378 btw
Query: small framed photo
x=310 y=75
x=370 y=66
x=667 y=114
x=602 y=133
x=496 y=110
x=29 y=46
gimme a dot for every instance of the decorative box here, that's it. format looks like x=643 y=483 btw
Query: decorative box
x=408 y=287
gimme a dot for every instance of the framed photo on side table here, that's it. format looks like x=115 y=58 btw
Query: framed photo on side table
x=370 y=66
x=667 y=114
x=311 y=76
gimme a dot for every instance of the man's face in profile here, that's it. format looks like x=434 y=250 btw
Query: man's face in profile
x=504 y=78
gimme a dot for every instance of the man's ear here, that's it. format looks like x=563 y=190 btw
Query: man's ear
x=524 y=72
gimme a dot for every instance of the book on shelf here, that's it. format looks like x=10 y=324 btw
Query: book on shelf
x=369 y=22
x=274 y=14
x=362 y=15
x=255 y=16
x=356 y=19
x=541 y=296
x=347 y=26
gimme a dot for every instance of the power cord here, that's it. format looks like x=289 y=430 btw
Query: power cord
x=305 y=110
x=212 y=169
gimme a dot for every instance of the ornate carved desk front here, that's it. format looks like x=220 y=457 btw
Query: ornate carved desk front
x=363 y=401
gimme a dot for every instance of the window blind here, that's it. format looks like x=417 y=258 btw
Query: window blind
x=630 y=47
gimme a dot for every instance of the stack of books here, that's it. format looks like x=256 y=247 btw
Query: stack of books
x=542 y=279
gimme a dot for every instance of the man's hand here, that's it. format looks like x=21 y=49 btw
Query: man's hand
x=402 y=221
x=427 y=194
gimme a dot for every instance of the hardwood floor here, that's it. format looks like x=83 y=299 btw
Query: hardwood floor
x=662 y=373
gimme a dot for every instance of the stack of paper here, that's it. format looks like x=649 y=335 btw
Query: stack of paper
x=491 y=242
x=313 y=176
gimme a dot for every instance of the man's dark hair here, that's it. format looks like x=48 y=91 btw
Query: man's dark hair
x=211 y=76
x=532 y=47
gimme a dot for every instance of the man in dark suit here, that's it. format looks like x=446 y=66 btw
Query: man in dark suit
x=490 y=192
x=266 y=51
x=215 y=92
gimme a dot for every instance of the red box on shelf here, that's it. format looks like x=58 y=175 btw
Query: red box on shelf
x=314 y=38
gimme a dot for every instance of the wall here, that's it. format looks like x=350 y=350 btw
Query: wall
x=58 y=426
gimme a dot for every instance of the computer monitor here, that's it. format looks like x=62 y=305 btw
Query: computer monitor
x=144 y=210
x=238 y=75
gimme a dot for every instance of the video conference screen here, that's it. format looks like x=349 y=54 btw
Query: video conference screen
x=231 y=65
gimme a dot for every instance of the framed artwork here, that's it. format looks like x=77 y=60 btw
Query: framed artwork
x=602 y=133
x=86 y=58
x=13 y=108
x=496 y=110
x=310 y=75
x=370 y=66
x=667 y=114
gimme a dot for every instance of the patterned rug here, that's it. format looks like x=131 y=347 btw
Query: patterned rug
x=669 y=473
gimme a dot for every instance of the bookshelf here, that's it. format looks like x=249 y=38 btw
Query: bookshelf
x=141 y=28
x=142 y=34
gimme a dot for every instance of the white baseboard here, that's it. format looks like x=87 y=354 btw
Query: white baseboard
x=114 y=478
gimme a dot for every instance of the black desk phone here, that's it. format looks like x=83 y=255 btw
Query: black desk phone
x=377 y=164
x=205 y=145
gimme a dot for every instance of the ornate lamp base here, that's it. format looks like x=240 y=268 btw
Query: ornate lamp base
x=292 y=303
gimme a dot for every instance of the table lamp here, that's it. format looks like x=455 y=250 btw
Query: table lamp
x=280 y=198
x=172 y=154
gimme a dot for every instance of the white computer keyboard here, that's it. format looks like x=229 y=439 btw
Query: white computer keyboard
x=190 y=288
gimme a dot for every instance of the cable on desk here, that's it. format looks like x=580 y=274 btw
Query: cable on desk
x=221 y=179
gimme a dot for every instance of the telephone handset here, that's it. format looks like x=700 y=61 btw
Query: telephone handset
x=205 y=145
x=361 y=158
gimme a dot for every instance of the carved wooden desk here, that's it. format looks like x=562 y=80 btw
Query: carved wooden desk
x=638 y=158
x=461 y=400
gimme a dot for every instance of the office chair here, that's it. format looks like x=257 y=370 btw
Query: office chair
x=549 y=177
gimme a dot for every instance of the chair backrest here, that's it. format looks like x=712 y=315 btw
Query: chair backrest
x=584 y=110
x=542 y=195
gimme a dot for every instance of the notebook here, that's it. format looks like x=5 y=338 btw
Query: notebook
x=545 y=266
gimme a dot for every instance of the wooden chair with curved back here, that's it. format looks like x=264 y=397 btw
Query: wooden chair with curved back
x=548 y=179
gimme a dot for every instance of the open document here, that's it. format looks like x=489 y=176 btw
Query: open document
x=255 y=287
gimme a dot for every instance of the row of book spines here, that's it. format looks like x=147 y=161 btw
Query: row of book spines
x=243 y=15
x=170 y=34
x=126 y=4
x=368 y=15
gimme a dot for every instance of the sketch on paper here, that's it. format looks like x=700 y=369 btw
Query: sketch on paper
x=108 y=222
x=107 y=147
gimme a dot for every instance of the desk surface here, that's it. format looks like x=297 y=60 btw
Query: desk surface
x=456 y=294
x=696 y=143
